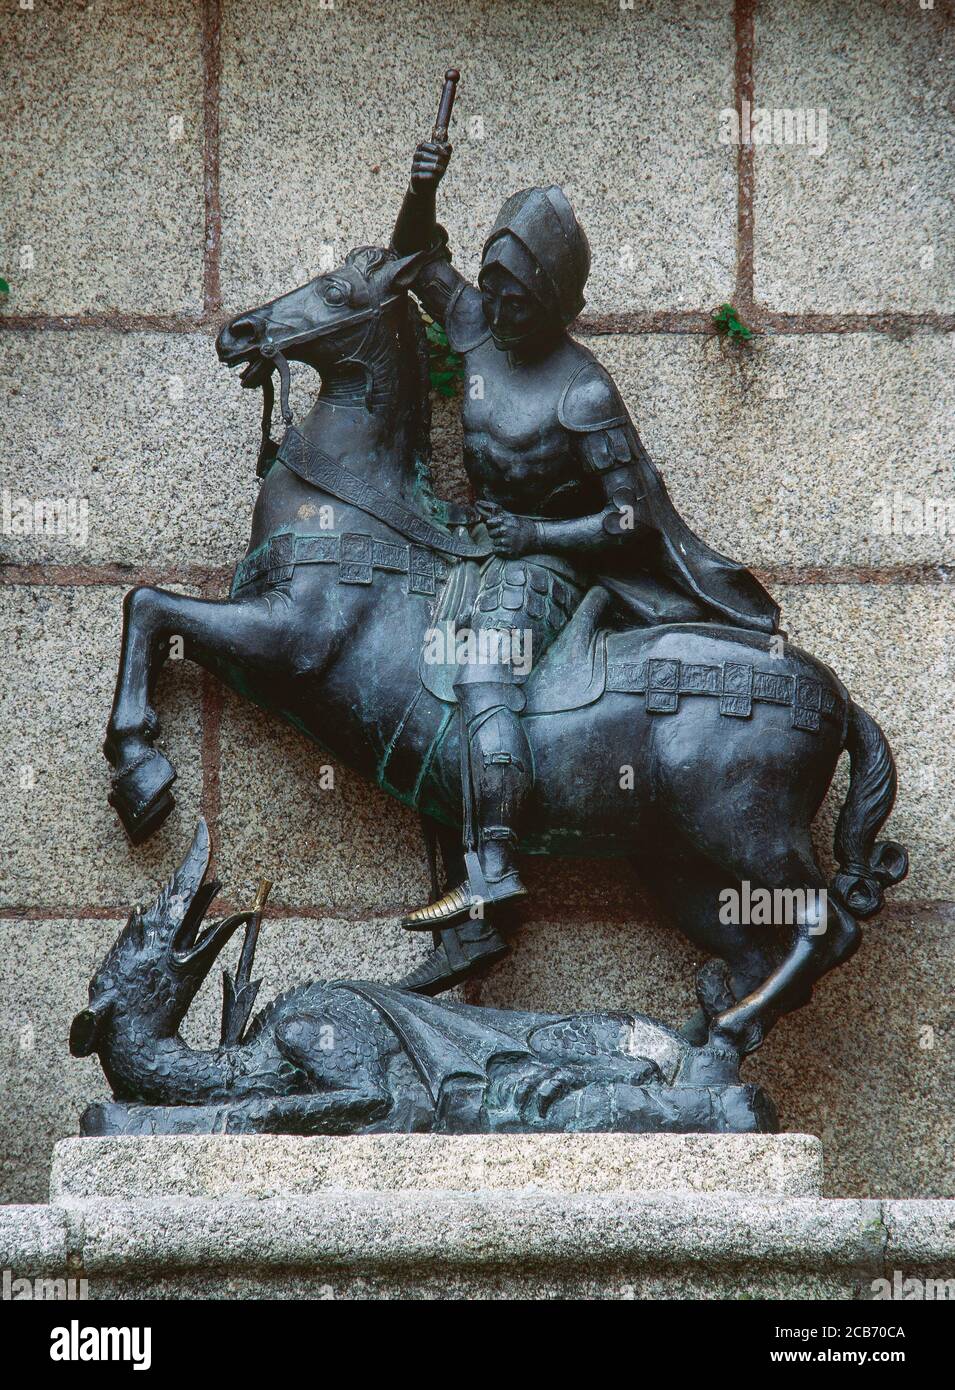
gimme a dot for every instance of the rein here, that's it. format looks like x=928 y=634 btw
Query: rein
x=268 y=449
x=267 y=446
x=314 y=466
x=318 y=468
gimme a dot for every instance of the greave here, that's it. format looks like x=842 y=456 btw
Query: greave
x=501 y=778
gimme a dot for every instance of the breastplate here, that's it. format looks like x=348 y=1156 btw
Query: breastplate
x=516 y=452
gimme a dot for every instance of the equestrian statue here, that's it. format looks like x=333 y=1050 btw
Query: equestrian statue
x=605 y=684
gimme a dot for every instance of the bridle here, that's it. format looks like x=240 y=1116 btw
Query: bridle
x=303 y=456
x=276 y=360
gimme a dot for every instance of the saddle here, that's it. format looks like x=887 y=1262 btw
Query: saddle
x=572 y=673
x=588 y=660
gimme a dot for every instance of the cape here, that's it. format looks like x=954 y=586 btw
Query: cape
x=685 y=580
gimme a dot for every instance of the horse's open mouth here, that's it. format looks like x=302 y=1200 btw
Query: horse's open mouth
x=255 y=372
x=255 y=367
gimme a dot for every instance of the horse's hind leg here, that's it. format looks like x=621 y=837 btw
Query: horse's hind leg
x=213 y=632
x=822 y=934
x=688 y=886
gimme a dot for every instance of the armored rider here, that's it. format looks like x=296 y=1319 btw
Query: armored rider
x=567 y=493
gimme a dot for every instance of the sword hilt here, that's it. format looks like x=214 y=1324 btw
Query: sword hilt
x=443 y=119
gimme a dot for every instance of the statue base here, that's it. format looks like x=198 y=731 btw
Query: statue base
x=404 y=1216
x=265 y=1166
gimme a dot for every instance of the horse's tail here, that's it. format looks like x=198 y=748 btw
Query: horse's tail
x=867 y=867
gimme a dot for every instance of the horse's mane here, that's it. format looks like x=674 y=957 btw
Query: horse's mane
x=413 y=346
x=414 y=341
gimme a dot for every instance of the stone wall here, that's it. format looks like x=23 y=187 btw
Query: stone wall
x=170 y=164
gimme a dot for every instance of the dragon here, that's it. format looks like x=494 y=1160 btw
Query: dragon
x=356 y=1056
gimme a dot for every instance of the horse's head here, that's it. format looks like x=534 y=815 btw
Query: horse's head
x=333 y=319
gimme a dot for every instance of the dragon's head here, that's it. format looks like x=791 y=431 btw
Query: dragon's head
x=152 y=972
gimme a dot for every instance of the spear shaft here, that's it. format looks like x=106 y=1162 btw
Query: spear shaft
x=239 y=993
x=439 y=132
x=244 y=973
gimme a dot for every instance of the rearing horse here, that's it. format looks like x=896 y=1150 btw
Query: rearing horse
x=701 y=752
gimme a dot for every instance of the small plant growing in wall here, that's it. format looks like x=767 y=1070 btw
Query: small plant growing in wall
x=728 y=324
x=446 y=365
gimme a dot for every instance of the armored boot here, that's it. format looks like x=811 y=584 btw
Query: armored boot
x=501 y=772
x=498 y=764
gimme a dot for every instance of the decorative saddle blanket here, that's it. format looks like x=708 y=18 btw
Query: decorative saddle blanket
x=587 y=660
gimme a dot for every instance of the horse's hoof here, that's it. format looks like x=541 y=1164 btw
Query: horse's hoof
x=452 y=961
x=142 y=796
x=739 y=1028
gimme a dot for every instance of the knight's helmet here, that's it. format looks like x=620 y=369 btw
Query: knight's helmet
x=538 y=239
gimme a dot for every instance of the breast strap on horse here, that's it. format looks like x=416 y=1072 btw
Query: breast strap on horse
x=357 y=555
x=322 y=471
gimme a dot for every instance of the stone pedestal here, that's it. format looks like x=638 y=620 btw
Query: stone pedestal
x=441 y=1216
x=265 y=1166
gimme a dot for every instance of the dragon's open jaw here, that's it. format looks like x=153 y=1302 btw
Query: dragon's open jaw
x=161 y=957
x=192 y=949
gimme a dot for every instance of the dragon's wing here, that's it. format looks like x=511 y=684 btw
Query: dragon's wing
x=440 y=1042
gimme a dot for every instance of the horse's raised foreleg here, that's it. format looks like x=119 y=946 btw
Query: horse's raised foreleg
x=214 y=633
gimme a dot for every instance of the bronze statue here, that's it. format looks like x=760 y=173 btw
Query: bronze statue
x=663 y=718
